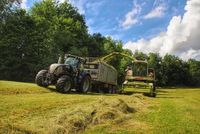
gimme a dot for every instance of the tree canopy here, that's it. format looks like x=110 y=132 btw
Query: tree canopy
x=31 y=40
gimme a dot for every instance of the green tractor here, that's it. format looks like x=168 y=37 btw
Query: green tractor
x=139 y=75
x=67 y=74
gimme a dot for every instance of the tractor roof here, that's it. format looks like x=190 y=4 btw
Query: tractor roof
x=74 y=56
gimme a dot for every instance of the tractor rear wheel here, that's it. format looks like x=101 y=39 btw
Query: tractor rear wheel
x=64 y=84
x=40 y=78
x=85 y=84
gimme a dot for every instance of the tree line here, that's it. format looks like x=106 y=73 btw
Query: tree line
x=33 y=39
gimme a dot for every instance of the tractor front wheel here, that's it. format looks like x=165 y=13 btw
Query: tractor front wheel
x=40 y=78
x=64 y=84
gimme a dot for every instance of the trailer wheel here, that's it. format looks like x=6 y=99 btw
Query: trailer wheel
x=40 y=78
x=112 y=90
x=85 y=84
x=64 y=84
x=99 y=89
x=115 y=89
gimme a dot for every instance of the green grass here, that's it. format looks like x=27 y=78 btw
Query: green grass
x=27 y=108
x=177 y=111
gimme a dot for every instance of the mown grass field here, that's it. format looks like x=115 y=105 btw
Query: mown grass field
x=27 y=108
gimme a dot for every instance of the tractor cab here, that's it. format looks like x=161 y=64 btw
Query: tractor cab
x=139 y=75
x=140 y=68
x=139 y=71
x=76 y=63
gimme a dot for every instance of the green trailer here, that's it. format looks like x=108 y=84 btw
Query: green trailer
x=138 y=74
x=103 y=75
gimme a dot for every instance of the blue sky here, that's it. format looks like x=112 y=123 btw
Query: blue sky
x=159 y=26
x=108 y=16
x=127 y=20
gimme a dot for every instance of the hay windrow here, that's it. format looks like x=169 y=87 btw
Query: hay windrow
x=16 y=129
x=99 y=112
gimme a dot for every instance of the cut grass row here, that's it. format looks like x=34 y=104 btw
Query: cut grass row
x=10 y=87
x=27 y=108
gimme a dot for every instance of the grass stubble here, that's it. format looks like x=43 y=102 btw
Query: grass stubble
x=27 y=108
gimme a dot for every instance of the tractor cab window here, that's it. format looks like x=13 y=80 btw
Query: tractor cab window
x=72 y=61
x=140 y=69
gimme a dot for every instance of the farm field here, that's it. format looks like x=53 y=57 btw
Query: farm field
x=27 y=108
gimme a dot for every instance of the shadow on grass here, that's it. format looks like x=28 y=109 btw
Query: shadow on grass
x=93 y=93
x=170 y=97
x=160 y=93
x=166 y=94
x=136 y=92
x=167 y=87
x=132 y=92
x=79 y=93
x=177 y=87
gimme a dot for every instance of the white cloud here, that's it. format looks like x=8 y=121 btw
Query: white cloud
x=191 y=53
x=156 y=12
x=61 y=1
x=80 y=4
x=86 y=5
x=131 y=16
x=23 y=4
x=182 y=37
